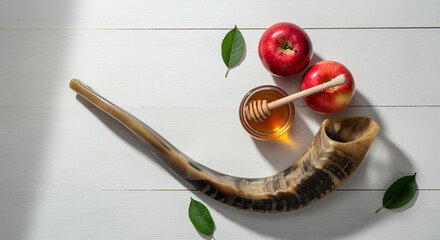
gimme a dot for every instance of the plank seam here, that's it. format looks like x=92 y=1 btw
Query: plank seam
x=209 y=29
x=217 y=106
x=172 y=190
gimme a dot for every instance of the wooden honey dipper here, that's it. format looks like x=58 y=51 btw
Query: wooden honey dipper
x=260 y=110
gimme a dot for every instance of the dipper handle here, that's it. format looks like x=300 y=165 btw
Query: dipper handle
x=337 y=81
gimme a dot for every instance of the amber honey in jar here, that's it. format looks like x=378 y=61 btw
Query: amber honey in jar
x=277 y=123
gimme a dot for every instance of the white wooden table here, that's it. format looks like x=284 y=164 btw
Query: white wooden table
x=70 y=172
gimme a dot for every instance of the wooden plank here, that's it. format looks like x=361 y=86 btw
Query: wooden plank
x=147 y=68
x=203 y=14
x=81 y=148
x=163 y=215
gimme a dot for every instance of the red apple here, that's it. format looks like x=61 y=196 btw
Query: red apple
x=285 y=49
x=333 y=99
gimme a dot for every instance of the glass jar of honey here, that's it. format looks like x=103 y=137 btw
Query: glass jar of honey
x=279 y=121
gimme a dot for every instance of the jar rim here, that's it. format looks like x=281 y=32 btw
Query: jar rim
x=256 y=134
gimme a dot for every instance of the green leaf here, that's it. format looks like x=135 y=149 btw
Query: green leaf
x=400 y=192
x=200 y=217
x=232 y=48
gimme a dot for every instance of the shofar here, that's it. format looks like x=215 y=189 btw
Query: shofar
x=334 y=154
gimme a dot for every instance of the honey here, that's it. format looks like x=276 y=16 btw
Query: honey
x=277 y=123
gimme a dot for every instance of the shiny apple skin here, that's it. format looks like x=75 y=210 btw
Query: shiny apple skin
x=333 y=99
x=285 y=63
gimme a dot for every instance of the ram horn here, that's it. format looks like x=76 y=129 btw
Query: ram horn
x=334 y=154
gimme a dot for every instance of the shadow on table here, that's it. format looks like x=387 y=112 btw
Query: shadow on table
x=319 y=220
x=290 y=146
x=395 y=163
x=285 y=150
x=281 y=152
x=127 y=136
x=327 y=218
x=30 y=60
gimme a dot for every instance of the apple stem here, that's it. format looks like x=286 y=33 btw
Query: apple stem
x=227 y=71
x=290 y=46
